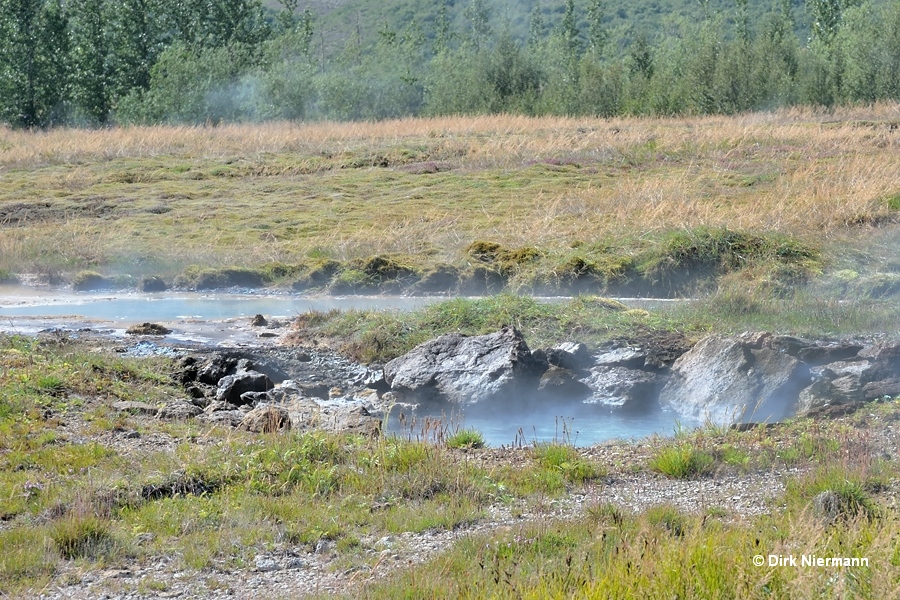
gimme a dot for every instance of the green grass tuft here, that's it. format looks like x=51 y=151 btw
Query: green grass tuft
x=681 y=461
x=466 y=438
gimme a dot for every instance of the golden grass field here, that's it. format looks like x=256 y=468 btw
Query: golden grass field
x=153 y=200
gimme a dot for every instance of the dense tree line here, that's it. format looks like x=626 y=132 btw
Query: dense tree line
x=97 y=62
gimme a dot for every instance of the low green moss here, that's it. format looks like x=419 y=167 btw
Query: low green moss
x=198 y=278
x=87 y=281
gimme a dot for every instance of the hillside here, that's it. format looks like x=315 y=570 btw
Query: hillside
x=340 y=20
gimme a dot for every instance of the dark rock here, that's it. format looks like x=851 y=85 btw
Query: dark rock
x=785 y=343
x=220 y=406
x=258 y=321
x=231 y=387
x=266 y=419
x=215 y=368
x=573 y=356
x=199 y=391
x=228 y=418
x=466 y=370
x=751 y=425
x=828 y=353
x=177 y=410
x=153 y=284
x=879 y=389
x=185 y=370
x=270 y=368
x=561 y=385
x=148 y=329
x=313 y=390
x=833 y=411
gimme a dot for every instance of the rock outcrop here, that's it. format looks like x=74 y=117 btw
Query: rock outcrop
x=727 y=380
x=763 y=377
x=465 y=370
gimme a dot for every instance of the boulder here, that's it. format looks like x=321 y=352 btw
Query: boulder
x=135 y=408
x=621 y=387
x=822 y=354
x=840 y=382
x=148 y=329
x=561 y=385
x=215 y=368
x=466 y=370
x=178 y=409
x=726 y=380
x=573 y=356
x=621 y=356
x=266 y=419
x=232 y=387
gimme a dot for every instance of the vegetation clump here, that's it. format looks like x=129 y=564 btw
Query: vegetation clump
x=198 y=278
x=88 y=281
x=466 y=439
x=681 y=461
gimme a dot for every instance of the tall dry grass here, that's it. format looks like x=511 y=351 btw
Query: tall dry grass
x=486 y=136
x=549 y=182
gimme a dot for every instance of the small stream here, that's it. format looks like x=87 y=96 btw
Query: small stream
x=16 y=301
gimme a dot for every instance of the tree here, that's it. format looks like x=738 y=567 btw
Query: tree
x=442 y=34
x=91 y=67
x=598 y=36
x=135 y=41
x=478 y=16
x=826 y=17
x=536 y=25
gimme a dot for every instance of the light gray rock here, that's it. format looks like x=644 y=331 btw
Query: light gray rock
x=133 y=407
x=621 y=387
x=466 y=370
x=727 y=380
x=228 y=418
x=631 y=358
x=178 y=409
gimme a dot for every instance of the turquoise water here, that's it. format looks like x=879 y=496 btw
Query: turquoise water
x=591 y=425
x=172 y=307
